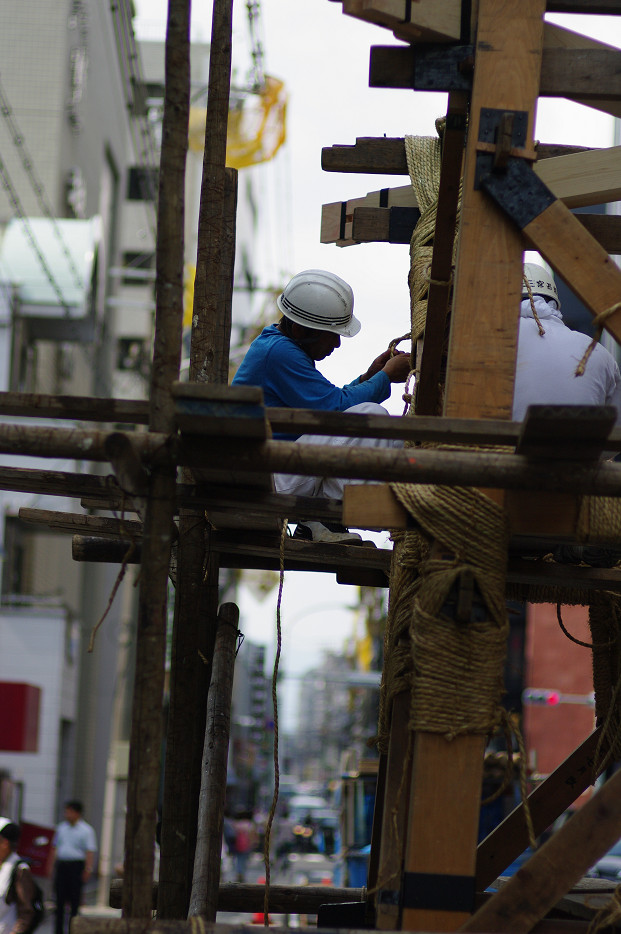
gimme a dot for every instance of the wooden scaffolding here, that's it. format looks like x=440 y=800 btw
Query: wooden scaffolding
x=495 y=59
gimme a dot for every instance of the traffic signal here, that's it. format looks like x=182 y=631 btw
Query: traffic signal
x=541 y=696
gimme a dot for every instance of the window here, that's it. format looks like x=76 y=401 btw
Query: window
x=142 y=183
x=139 y=268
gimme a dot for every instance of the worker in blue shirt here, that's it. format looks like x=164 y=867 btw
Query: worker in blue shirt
x=317 y=308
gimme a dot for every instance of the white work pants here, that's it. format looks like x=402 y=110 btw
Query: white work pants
x=332 y=487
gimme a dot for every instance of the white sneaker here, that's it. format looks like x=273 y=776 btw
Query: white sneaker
x=318 y=532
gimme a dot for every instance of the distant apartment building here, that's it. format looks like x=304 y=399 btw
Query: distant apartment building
x=79 y=156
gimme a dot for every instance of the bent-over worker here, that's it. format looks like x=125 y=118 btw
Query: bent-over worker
x=549 y=352
x=317 y=308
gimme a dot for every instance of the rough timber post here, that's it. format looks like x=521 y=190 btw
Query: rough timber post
x=447 y=777
x=204 y=898
x=146 y=732
x=196 y=603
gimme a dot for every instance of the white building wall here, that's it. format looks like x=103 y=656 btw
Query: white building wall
x=33 y=650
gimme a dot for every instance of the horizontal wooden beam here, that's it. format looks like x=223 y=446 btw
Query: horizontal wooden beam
x=545 y=803
x=579 y=179
x=352 y=564
x=586 y=72
x=243 y=460
x=74 y=408
x=337 y=217
x=386 y=155
x=45 y=440
x=423 y=21
x=605 y=7
x=76 y=523
x=584 y=178
x=558 y=37
x=396 y=225
x=246 y=897
x=530 y=514
x=388 y=225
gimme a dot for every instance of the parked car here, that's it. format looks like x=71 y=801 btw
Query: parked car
x=609 y=866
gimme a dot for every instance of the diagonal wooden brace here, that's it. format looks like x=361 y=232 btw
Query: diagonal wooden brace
x=550 y=227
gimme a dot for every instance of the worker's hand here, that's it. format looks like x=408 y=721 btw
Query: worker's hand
x=377 y=365
x=397 y=367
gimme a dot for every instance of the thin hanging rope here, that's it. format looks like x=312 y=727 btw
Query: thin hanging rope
x=598 y=321
x=270 y=818
x=532 y=306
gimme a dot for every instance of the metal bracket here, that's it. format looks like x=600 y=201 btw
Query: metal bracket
x=519 y=192
x=443 y=68
x=500 y=132
x=502 y=166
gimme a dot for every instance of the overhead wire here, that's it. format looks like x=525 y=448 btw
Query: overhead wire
x=143 y=141
x=19 y=212
x=19 y=143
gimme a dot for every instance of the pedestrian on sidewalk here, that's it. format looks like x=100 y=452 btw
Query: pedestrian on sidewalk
x=72 y=858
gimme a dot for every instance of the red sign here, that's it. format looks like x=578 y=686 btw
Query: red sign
x=35 y=843
x=19 y=731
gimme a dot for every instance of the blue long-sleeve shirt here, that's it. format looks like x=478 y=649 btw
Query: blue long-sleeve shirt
x=290 y=379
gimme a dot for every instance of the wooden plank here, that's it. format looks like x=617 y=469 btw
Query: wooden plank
x=610 y=7
x=394 y=67
x=395 y=809
x=584 y=178
x=205 y=894
x=551 y=431
x=579 y=260
x=554 y=868
x=444 y=814
x=58 y=483
x=423 y=465
x=337 y=217
x=447 y=777
x=557 y=37
x=423 y=21
x=578 y=179
x=546 y=802
x=389 y=225
x=396 y=225
x=480 y=372
x=582 y=75
x=249 y=897
x=81 y=408
x=530 y=514
x=76 y=524
x=428 y=401
x=386 y=155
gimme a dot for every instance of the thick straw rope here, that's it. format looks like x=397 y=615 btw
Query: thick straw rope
x=454 y=670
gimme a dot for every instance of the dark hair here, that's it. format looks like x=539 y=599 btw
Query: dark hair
x=75 y=806
x=11 y=832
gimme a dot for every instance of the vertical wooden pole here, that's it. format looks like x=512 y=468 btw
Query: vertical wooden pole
x=210 y=321
x=146 y=732
x=447 y=777
x=196 y=604
x=191 y=654
x=394 y=821
x=204 y=898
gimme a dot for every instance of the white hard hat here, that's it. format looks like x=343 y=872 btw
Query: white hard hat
x=320 y=300
x=541 y=282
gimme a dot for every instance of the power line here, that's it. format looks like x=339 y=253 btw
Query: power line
x=140 y=128
x=37 y=186
x=18 y=210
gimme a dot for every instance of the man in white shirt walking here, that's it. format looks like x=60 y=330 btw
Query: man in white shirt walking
x=72 y=857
